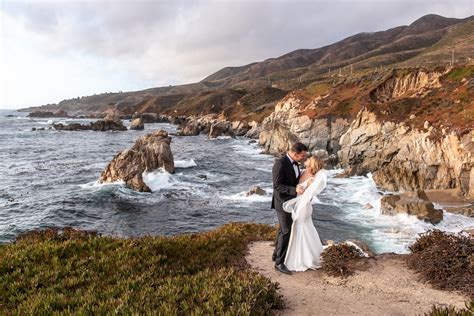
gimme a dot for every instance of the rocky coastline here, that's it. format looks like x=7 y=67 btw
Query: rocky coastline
x=389 y=124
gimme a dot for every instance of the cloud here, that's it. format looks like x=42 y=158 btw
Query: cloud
x=170 y=42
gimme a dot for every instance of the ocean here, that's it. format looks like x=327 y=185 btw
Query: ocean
x=48 y=178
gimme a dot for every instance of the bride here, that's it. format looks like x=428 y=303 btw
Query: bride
x=305 y=248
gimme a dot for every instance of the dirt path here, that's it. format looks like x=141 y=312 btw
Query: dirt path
x=387 y=287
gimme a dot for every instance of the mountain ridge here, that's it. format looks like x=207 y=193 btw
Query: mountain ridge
x=431 y=37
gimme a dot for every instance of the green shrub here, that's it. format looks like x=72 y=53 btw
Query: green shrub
x=338 y=260
x=45 y=272
x=445 y=260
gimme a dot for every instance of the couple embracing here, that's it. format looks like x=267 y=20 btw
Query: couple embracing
x=298 y=247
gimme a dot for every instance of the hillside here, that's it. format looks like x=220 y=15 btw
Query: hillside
x=251 y=91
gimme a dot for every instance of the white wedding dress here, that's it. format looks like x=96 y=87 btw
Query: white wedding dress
x=304 y=248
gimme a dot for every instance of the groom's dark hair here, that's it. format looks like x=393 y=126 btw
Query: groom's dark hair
x=298 y=147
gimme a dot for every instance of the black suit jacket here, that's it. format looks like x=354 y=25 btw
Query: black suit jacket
x=284 y=182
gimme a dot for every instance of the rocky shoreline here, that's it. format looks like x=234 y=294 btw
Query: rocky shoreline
x=390 y=124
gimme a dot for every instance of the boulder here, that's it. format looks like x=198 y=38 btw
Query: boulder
x=112 y=115
x=222 y=128
x=137 y=124
x=149 y=117
x=412 y=203
x=191 y=127
x=256 y=190
x=190 y=130
x=150 y=152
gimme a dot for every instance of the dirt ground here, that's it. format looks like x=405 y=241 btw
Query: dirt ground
x=385 y=287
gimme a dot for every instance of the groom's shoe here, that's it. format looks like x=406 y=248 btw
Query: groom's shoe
x=282 y=268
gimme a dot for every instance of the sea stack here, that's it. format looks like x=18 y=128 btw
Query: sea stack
x=150 y=152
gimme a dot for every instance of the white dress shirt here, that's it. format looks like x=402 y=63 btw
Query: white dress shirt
x=295 y=167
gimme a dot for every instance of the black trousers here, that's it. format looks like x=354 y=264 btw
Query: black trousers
x=282 y=237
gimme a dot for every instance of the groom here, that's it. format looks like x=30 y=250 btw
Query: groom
x=285 y=175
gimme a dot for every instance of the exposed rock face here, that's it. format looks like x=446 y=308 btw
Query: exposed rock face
x=212 y=125
x=254 y=131
x=191 y=127
x=240 y=128
x=101 y=125
x=412 y=84
x=149 y=153
x=222 y=128
x=137 y=124
x=288 y=124
x=413 y=203
x=406 y=159
x=112 y=115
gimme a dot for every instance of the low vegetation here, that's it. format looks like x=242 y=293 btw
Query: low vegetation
x=339 y=260
x=71 y=271
x=444 y=260
x=452 y=311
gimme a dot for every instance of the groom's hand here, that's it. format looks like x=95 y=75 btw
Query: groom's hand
x=299 y=190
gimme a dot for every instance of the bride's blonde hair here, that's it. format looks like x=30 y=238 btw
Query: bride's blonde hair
x=314 y=164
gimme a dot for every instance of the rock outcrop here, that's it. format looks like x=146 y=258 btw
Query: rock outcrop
x=191 y=127
x=151 y=117
x=288 y=124
x=403 y=158
x=100 y=125
x=137 y=124
x=411 y=84
x=222 y=128
x=149 y=153
x=213 y=125
x=412 y=203
x=254 y=131
x=60 y=113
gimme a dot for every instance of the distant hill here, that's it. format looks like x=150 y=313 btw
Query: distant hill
x=256 y=87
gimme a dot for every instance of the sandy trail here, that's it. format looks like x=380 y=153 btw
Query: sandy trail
x=387 y=287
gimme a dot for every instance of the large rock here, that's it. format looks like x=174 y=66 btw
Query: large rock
x=113 y=115
x=255 y=190
x=402 y=158
x=100 y=125
x=222 y=128
x=191 y=127
x=254 y=131
x=412 y=203
x=137 y=124
x=149 y=117
x=288 y=124
x=240 y=128
x=149 y=153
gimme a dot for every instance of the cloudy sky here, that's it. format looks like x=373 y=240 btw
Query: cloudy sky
x=52 y=50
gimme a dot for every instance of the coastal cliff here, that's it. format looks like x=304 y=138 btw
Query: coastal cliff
x=402 y=158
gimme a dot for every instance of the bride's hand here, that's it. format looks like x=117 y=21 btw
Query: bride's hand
x=299 y=190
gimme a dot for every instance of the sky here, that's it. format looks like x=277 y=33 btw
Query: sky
x=55 y=50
